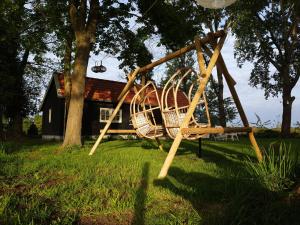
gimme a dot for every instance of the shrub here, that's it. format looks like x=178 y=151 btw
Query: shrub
x=32 y=131
x=277 y=171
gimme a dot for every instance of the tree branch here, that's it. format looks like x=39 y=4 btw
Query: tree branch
x=73 y=16
x=271 y=35
x=94 y=15
x=263 y=43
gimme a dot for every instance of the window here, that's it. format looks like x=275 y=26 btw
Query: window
x=106 y=112
x=49 y=115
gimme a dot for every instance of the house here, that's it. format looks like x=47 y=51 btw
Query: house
x=100 y=100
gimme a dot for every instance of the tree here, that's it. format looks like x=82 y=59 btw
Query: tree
x=84 y=21
x=267 y=34
x=99 y=27
x=22 y=47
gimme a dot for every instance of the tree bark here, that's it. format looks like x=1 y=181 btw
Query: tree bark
x=84 y=24
x=74 y=121
x=67 y=76
x=287 y=101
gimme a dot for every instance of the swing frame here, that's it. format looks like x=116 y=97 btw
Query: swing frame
x=216 y=40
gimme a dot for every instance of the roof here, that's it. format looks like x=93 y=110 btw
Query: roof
x=107 y=90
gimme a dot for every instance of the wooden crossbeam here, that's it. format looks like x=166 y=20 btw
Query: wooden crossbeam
x=215 y=130
x=111 y=131
x=182 y=51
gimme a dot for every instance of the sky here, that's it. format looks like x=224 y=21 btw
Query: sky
x=252 y=99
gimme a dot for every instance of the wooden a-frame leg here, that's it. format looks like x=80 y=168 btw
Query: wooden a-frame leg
x=206 y=74
x=125 y=92
x=244 y=119
x=230 y=82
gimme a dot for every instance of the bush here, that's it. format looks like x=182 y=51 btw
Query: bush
x=32 y=131
x=277 y=171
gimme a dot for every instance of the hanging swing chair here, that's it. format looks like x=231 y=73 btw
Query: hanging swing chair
x=176 y=98
x=144 y=114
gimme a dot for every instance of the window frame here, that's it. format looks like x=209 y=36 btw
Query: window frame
x=110 y=111
x=49 y=115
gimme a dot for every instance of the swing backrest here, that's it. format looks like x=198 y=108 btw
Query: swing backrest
x=142 y=112
x=174 y=113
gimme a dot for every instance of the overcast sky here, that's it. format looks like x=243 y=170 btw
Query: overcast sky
x=252 y=99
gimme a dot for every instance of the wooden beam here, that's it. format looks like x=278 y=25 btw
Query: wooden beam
x=111 y=131
x=242 y=113
x=215 y=130
x=189 y=114
x=181 y=51
x=131 y=79
x=200 y=56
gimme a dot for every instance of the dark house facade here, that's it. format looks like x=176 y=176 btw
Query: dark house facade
x=100 y=99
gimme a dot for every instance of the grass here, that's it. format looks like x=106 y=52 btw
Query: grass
x=40 y=184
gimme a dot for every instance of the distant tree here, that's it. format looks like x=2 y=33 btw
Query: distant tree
x=230 y=110
x=267 y=34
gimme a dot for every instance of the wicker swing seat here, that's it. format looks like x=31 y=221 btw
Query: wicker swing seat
x=143 y=112
x=173 y=112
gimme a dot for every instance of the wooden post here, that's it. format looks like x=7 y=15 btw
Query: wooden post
x=126 y=90
x=245 y=120
x=189 y=114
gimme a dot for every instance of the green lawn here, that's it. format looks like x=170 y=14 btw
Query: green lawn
x=40 y=184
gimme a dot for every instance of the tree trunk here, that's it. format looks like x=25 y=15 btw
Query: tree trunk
x=74 y=121
x=16 y=129
x=84 y=23
x=67 y=77
x=1 y=124
x=222 y=113
x=287 y=101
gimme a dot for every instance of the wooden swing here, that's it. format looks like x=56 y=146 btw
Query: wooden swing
x=142 y=112
x=173 y=113
x=215 y=41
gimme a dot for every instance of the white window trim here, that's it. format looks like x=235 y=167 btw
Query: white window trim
x=110 y=112
x=49 y=115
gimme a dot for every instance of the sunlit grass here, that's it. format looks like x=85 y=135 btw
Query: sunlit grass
x=40 y=184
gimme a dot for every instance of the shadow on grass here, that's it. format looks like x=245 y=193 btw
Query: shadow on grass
x=230 y=200
x=140 y=199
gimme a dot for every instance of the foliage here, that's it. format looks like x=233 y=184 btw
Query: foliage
x=267 y=34
x=23 y=60
x=277 y=171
